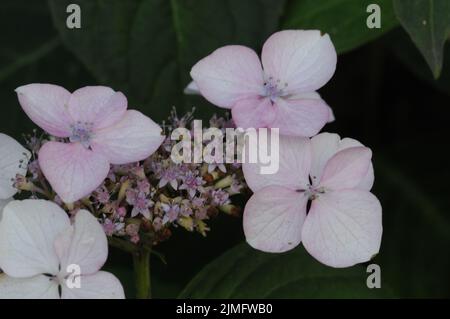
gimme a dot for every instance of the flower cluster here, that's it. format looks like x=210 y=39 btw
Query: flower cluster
x=111 y=171
x=143 y=201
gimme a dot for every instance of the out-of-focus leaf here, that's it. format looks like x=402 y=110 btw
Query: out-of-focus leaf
x=428 y=24
x=147 y=47
x=415 y=252
x=28 y=38
x=243 y=272
x=344 y=20
x=408 y=55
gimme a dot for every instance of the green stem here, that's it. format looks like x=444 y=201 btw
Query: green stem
x=141 y=263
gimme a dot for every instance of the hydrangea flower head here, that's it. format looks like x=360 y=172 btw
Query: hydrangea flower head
x=95 y=130
x=280 y=94
x=343 y=225
x=38 y=247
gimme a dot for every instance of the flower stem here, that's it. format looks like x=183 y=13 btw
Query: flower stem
x=141 y=263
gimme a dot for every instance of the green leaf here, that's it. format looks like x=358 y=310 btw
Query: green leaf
x=344 y=20
x=243 y=272
x=147 y=47
x=428 y=24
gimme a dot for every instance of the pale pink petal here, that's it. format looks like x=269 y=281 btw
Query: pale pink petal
x=132 y=139
x=191 y=89
x=294 y=166
x=101 y=285
x=229 y=74
x=84 y=244
x=273 y=219
x=13 y=160
x=46 y=106
x=323 y=146
x=27 y=233
x=305 y=60
x=367 y=182
x=253 y=113
x=347 y=168
x=303 y=117
x=72 y=170
x=343 y=228
x=313 y=96
x=99 y=105
x=37 y=287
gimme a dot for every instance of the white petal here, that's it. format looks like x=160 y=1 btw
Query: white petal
x=13 y=160
x=99 y=105
x=229 y=74
x=101 y=285
x=132 y=139
x=347 y=168
x=324 y=146
x=84 y=244
x=304 y=59
x=343 y=228
x=46 y=106
x=72 y=170
x=294 y=166
x=273 y=219
x=27 y=233
x=3 y=203
x=192 y=89
x=367 y=182
x=37 y=287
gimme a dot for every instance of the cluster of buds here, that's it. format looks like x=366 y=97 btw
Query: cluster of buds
x=143 y=202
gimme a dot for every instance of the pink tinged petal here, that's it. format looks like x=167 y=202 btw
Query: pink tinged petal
x=46 y=106
x=84 y=244
x=368 y=180
x=347 y=168
x=305 y=60
x=99 y=105
x=302 y=117
x=253 y=113
x=37 y=287
x=343 y=228
x=132 y=139
x=101 y=285
x=191 y=89
x=28 y=230
x=229 y=74
x=72 y=170
x=324 y=146
x=294 y=166
x=13 y=160
x=273 y=219
x=315 y=96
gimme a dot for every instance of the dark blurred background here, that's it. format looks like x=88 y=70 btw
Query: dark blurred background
x=382 y=94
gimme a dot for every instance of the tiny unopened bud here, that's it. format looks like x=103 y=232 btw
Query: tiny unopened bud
x=202 y=227
x=224 y=182
x=123 y=190
x=186 y=222
x=164 y=199
x=230 y=209
x=21 y=183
